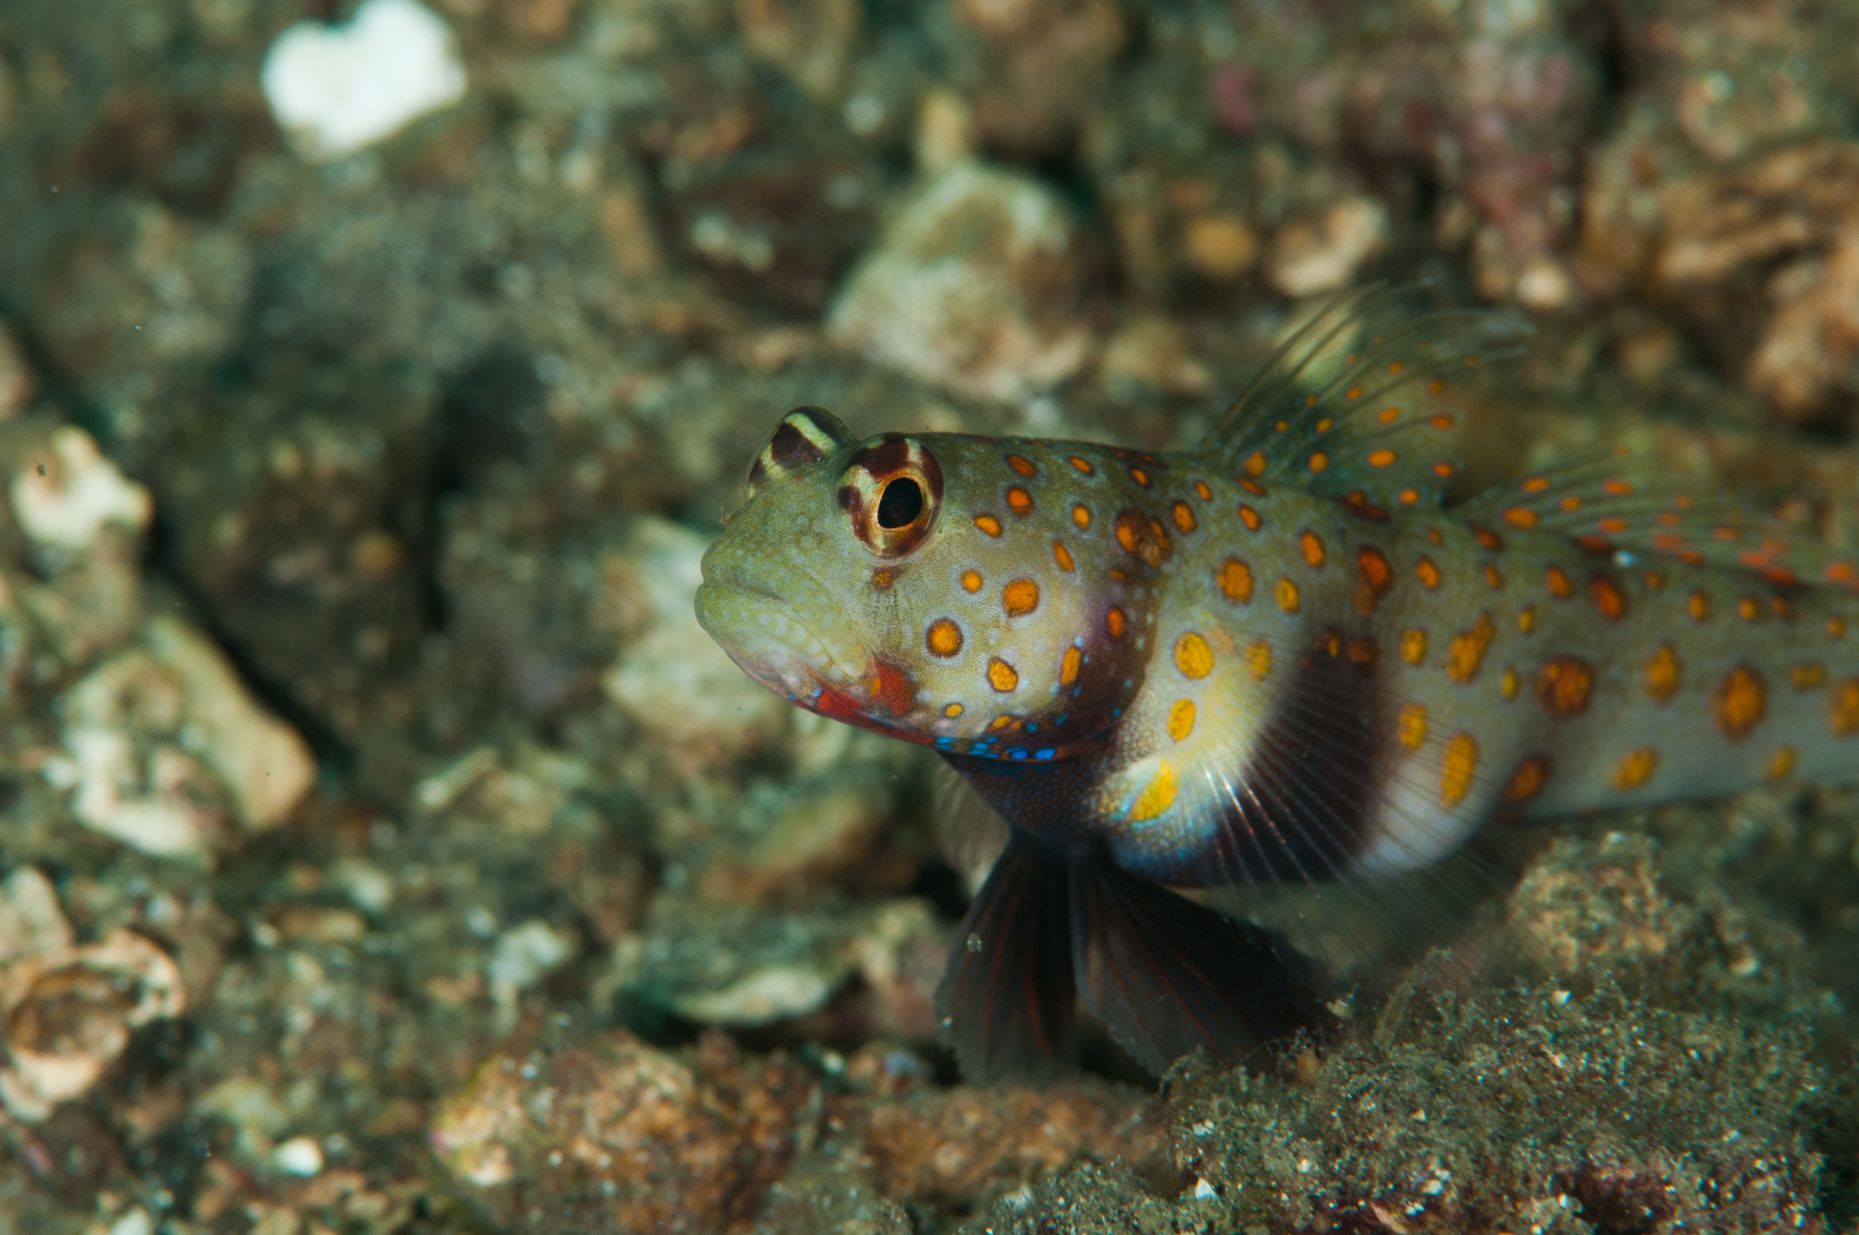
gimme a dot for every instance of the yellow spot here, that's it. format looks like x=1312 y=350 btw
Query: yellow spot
x=1312 y=545
x=1249 y=517
x=1183 y=515
x=1526 y=619
x=1181 y=719
x=944 y=637
x=1019 y=501
x=1374 y=576
x=1115 y=622
x=1662 y=674
x=1082 y=517
x=1157 y=797
x=988 y=524
x=999 y=723
x=1236 y=580
x=1467 y=650
x=1192 y=656
x=1741 y=701
x=1781 y=764
x=1068 y=665
x=1082 y=464
x=971 y=581
x=1509 y=683
x=883 y=577
x=1062 y=556
x=1259 y=660
x=1845 y=718
x=1635 y=768
x=1698 y=604
x=1288 y=596
x=1528 y=780
x=1808 y=675
x=1413 y=645
x=1020 y=597
x=1564 y=685
x=1427 y=573
x=1411 y=728
x=1002 y=676
x=952 y=711
x=1458 y=765
x=1022 y=465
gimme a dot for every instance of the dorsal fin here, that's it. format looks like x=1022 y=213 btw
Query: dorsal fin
x=1600 y=503
x=1351 y=405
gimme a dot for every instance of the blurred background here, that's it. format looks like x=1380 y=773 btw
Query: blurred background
x=384 y=848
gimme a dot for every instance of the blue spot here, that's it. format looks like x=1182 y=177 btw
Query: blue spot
x=1031 y=727
x=1018 y=752
x=1115 y=712
x=1045 y=754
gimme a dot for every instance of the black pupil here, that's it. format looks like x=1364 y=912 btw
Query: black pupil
x=900 y=503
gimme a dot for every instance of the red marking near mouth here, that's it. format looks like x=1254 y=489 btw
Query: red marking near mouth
x=889 y=690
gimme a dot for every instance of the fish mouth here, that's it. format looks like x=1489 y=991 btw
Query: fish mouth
x=768 y=639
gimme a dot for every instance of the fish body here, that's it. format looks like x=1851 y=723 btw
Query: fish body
x=1281 y=656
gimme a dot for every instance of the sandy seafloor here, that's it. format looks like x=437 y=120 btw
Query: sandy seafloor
x=384 y=849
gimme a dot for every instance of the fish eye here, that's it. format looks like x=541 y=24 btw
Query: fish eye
x=900 y=503
x=891 y=491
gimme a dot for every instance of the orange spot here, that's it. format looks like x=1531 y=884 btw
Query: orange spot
x=1494 y=578
x=944 y=637
x=1259 y=659
x=1374 y=576
x=1662 y=674
x=1381 y=458
x=1353 y=393
x=1202 y=491
x=1608 y=598
x=1535 y=484
x=1255 y=463
x=1560 y=585
x=1289 y=598
x=1458 y=765
x=1488 y=539
x=1411 y=727
x=1467 y=650
x=1808 y=675
x=1022 y=465
x=883 y=577
x=1410 y=497
x=1845 y=718
x=1836 y=627
x=1564 y=685
x=1082 y=464
x=1427 y=572
x=1081 y=515
x=1413 y=645
x=1130 y=531
x=1528 y=780
x=1181 y=719
x=1115 y=622
x=1062 y=556
x=971 y=581
x=1183 y=515
x=1781 y=607
x=988 y=524
x=1698 y=605
x=1236 y=580
x=1635 y=768
x=1068 y=665
x=1020 y=597
x=1002 y=676
x=1748 y=609
x=1781 y=764
x=952 y=711
x=1019 y=501
x=1741 y=700
x=1249 y=517
x=1317 y=461
x=1251 y=486
x=1157 y=796
x=1193 y=657
x=1522 y=516
x=1312 y=546
x=1140 y=476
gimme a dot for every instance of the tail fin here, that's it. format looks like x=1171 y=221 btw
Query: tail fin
x=1167 y=975
x=1008 y=998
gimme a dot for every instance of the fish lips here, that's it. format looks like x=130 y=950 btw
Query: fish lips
x=768 y=640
